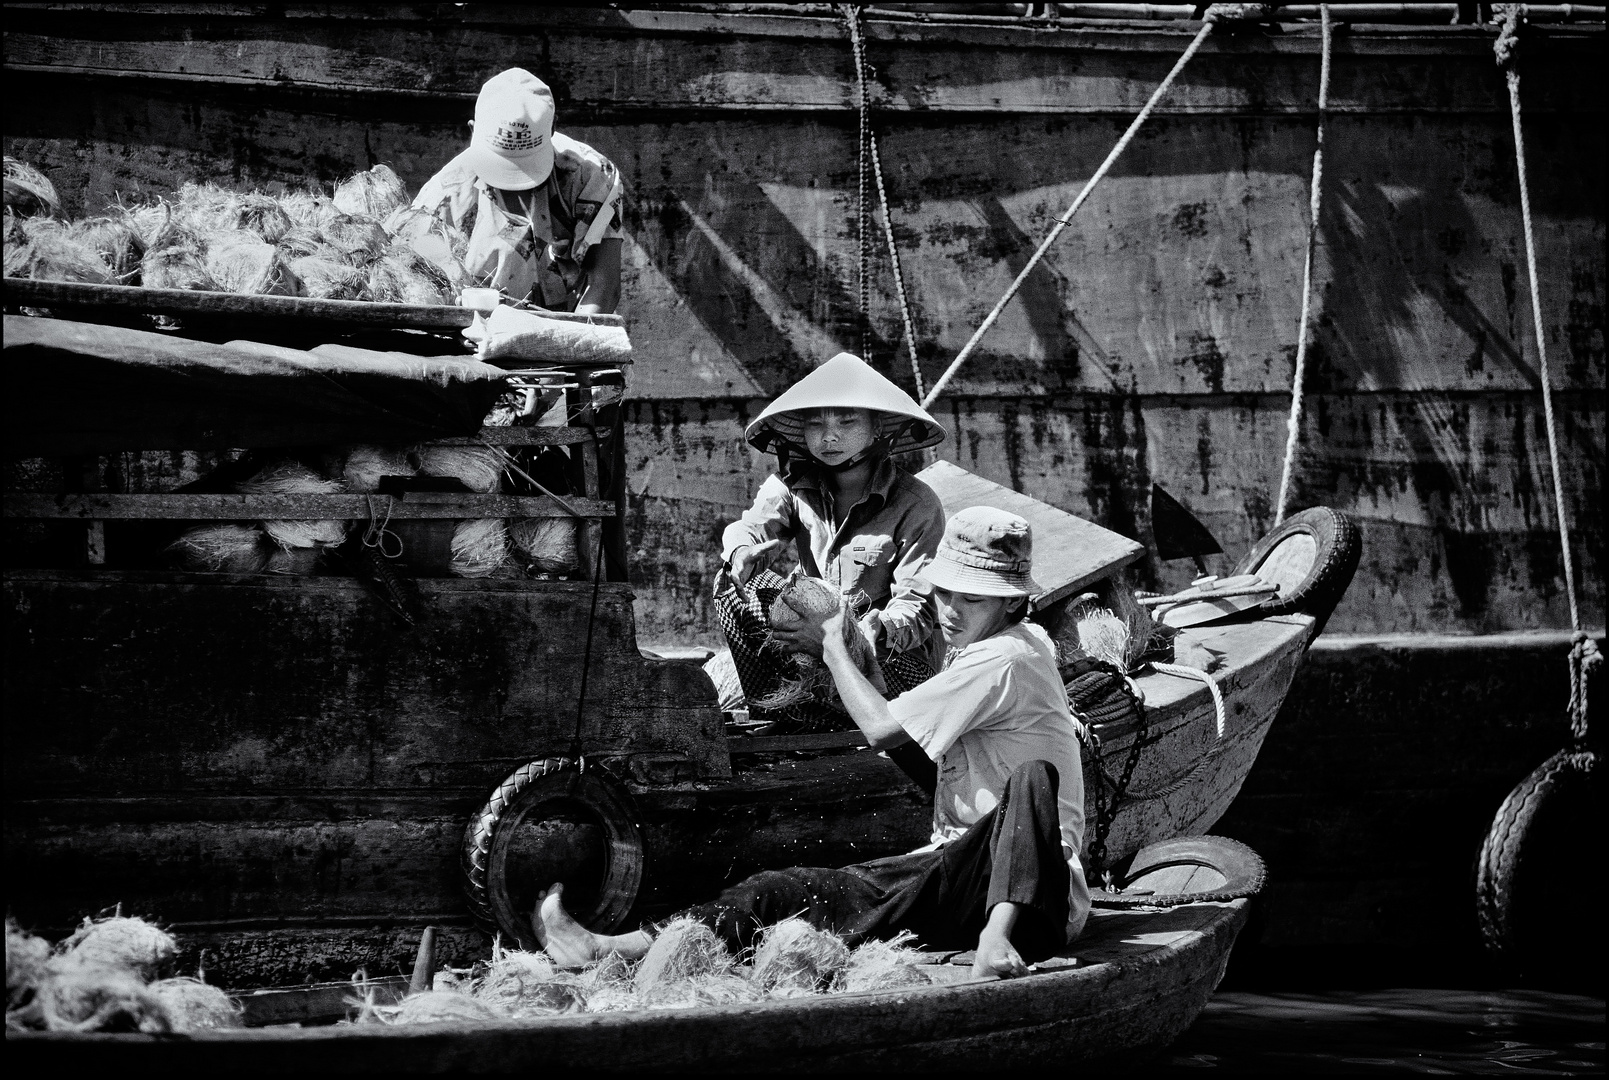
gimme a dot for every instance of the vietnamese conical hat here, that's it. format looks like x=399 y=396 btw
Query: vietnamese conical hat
x=846 y=382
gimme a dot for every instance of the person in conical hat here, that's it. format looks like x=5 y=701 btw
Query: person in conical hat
x=857 y=520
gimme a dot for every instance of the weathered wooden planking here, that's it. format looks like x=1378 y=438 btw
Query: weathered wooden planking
x=441 y=317
x=1069 y=552
x=1139 y=981
x=193 y=507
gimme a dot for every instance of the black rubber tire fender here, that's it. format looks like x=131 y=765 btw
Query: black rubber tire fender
x=1241 y=868
x=1338 y=545
x=549 y=781
x=1502 y=853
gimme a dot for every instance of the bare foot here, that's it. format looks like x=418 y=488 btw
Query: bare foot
x=568 y=942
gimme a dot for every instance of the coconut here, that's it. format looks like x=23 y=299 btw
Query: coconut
x=263 y=216
x=298 y=561
x=807 y=596
x=123 y=942
x=329 y=279
x=684 y=949
x=307 y=209
x=722 y=670
x=478 y=468
x=207 y=209
x=883 y=965
x=52 y=253
x=288 y=477
x=479 y=547
x=1104 y=636
x=28 y=191
x=302 y=242
x=362 y=467
x=548 y=543
x=26 y=957
x=192 y=1005
x=176 y=259
x=444 y=1007
x=524 y=984
x=359 y=240
x=243 y=262
x=149 y=221
x=79 y=994
x=401 y=276
x=375 y=193
x=223 y=547
x=117 y=243
x=794 y=957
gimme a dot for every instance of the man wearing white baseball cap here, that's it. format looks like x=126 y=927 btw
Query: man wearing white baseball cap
x=1002 y=872
x=542 y=210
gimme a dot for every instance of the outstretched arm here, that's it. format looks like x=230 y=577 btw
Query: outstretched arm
x=866 y=706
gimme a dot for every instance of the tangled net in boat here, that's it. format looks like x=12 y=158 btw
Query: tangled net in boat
x=101 y=979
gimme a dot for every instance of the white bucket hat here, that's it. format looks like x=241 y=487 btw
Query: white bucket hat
x=846 y=382
x=985 y=552
x=512 y=144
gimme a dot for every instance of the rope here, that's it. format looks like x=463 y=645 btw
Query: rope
x=1584 y=654
x=1196 y=673
x=1299 y=376
x=1063 y=221
x=852 y=17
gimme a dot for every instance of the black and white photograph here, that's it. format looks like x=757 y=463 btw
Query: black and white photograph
x=805 y=538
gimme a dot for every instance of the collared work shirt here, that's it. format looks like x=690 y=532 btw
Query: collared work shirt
x=879 y=548
x=536 y=251
x=1000 y=703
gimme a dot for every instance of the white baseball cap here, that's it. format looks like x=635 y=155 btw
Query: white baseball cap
x=512 y=144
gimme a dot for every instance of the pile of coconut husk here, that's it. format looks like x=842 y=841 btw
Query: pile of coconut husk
x=362 y=242
x=687 y=966
x=107 y=976
x=480 y=547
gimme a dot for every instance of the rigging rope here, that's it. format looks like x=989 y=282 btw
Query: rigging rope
x=852 y=16
x=1584 y=654
x=1063 y=221
x=868 y=149
x=1299 y=377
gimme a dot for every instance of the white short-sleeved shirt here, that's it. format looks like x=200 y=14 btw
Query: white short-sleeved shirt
x=999 y=704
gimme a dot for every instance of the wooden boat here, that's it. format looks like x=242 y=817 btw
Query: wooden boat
x=282 y=771
x=1131 y=985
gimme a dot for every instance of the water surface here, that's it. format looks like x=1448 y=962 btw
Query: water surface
x=1435 y=1032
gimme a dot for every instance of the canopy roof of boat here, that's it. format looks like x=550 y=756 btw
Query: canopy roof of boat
x=80 y=388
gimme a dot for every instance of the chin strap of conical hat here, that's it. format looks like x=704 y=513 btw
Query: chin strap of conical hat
x=1584 y=653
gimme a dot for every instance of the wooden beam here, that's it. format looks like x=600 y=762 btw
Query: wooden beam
x=190 y=507
x=442 y=317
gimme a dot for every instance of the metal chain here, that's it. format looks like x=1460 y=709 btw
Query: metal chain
x=863 y=171
x=864 y=71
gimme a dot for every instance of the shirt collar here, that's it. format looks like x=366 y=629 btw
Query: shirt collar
x=807 y=474
x=542 y=221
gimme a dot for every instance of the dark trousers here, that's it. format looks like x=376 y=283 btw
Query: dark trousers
x=1013 y=854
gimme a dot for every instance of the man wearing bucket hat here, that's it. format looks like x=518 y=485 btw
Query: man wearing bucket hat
x=1002 y=873
x=542 y=210
x=858 y=521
